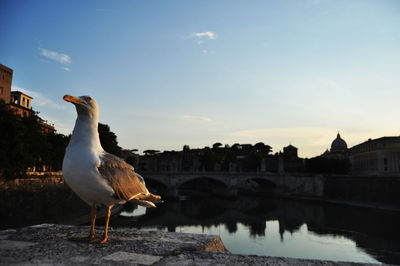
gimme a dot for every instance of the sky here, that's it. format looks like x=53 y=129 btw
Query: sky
x=172 y=73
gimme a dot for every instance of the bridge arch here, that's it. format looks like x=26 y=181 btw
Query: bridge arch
x=156 y=186
x=264 y=182
x=262 y=186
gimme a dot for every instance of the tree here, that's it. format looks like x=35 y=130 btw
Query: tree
x=150 y=152
x=108 y=140
x=21 y=142
x=57 y=144
x=261 y=147
x=216 y=145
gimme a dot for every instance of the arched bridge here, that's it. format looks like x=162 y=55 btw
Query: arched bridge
x=298 y=184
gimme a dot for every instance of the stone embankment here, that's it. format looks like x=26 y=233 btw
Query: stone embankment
x=49 y=244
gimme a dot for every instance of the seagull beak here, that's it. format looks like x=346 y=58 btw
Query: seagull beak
x=73 y=99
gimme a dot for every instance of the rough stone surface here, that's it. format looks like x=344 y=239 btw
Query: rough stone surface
x=49 y=244
x=214 y=258
x=52 y=244
x=122 y=256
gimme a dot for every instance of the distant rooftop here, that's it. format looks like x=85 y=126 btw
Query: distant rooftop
x=382 y=139
x=6 y=68
x=18 y=92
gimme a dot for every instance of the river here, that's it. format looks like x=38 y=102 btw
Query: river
x=277 y=227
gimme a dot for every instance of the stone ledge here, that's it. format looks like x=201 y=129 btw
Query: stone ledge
x=50 y=244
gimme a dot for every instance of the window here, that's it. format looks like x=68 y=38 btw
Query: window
x=27 y=103
x=1 y=90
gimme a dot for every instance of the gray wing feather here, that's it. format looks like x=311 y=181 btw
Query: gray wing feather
x=121 y=176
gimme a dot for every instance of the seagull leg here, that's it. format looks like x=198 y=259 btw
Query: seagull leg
x=105 y=236
x=93 y=220
x=93 y=215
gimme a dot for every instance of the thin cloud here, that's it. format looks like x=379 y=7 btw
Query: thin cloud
x=39 y=99
x=55 y=56
x=66 y=69
x=208 y=34
x=196 y=118
x=202 y=38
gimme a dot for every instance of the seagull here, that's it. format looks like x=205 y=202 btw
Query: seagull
x=97 y=177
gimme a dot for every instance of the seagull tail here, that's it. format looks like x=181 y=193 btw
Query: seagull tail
x=145 y=203
x=147 y=200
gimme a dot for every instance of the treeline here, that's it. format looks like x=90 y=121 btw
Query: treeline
x=246 y=157
x=24 y=146
x=219 y=157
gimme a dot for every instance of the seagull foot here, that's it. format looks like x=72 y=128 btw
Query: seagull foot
x=99 y=240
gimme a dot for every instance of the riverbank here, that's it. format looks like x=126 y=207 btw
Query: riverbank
x=44 y=198
x=34 y=182
x=49 y=244
x=371 y=205
x=39 y=199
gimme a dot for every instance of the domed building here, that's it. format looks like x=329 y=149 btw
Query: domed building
x=338 y=145
x=338 y=149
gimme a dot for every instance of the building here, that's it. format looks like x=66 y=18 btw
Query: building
x=290 y=161
x=46 y=127
x=6 y=75
x=376 y=156
x=338 y=149
x=21 y=103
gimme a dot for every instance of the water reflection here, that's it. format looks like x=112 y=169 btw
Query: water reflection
x=279 y=227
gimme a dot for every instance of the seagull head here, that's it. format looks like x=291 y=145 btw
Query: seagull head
x=85 y=105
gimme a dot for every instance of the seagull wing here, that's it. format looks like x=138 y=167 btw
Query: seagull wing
x=122 y=177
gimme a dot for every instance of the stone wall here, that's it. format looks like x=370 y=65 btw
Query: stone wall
x=363 y=188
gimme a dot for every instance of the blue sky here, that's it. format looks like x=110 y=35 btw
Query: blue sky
x=170 y=73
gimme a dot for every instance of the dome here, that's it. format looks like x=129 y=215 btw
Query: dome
x=338 y=144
